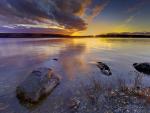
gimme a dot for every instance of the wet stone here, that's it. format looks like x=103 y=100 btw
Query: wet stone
x=142 y=67
x=105 y=69
x=55 y=59
x=38 y=84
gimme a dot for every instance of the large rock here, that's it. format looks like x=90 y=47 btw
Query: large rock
x=37 y=85
x=142 y=67
x=104 y=68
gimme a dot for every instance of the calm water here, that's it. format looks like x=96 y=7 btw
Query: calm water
x=76 y=64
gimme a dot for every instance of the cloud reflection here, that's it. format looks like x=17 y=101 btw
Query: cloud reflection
x=72 y=60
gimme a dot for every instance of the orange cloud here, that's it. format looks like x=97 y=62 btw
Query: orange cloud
x=97 y=10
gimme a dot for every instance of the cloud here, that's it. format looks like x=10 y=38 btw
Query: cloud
x=97 y=9
x=125 y=25
x=129 y=19
x=67 y=14
x=137 y=5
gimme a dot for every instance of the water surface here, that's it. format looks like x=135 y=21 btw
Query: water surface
x=76 y=64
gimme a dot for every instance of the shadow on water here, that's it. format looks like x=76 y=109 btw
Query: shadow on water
x=33 y=106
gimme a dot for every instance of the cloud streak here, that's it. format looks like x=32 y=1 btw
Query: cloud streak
x=137 y=6
x=67 y=14
x=97 y=9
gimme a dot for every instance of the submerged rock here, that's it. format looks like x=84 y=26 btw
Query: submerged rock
x=38 y=84
x=104 y=68
x=142 y=67
x=55 y=59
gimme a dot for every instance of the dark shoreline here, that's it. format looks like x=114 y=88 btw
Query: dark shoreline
x=40 y=35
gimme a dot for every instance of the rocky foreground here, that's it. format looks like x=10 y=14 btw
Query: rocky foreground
x=93 y=98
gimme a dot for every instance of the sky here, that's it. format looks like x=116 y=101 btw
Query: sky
x=74 y=17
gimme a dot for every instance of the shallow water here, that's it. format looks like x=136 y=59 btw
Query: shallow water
x=76 y=64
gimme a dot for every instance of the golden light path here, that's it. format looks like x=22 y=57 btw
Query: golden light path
x=94 y=43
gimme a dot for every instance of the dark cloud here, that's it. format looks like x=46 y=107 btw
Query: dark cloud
x=66 y=13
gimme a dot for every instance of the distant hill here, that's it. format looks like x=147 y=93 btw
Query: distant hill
x=127 y=35
x=108 y=35
x=30 y=35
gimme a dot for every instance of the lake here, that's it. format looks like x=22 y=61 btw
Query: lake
x=76 y=65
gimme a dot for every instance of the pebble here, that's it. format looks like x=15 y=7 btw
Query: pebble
x=74 y=103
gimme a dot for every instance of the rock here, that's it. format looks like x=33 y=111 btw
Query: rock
x=142 y=67
x=113 y=94
x=55 y=59
x=74 y=103
x=38 y=84
x=104 y=68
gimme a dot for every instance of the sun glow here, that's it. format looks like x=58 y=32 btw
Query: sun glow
x=95 y=43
